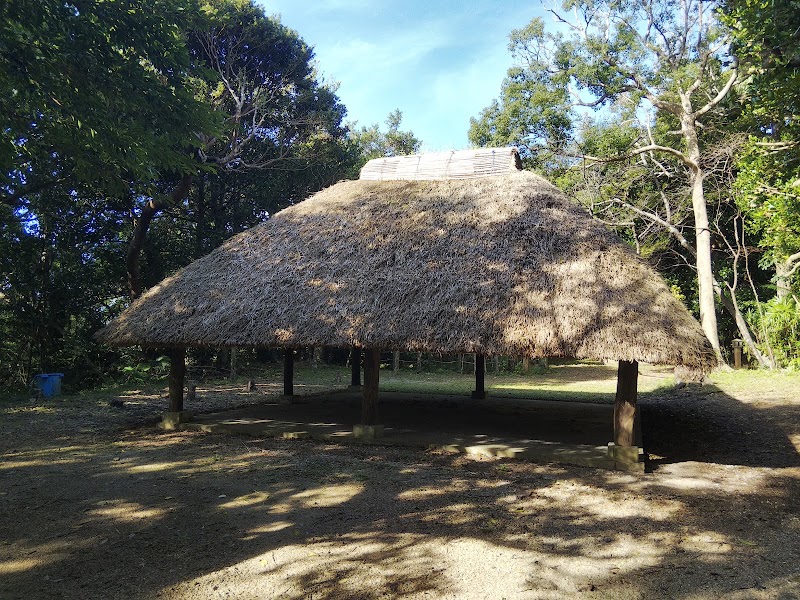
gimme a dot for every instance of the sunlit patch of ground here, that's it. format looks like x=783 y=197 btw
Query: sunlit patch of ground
x=95 y=503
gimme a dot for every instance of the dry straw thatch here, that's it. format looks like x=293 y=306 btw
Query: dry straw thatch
x=503 y=264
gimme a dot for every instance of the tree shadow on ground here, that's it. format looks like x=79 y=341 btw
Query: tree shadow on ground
x=185 y=516
x=702 y=423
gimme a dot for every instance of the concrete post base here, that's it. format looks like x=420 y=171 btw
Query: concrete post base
x=626 y=456
x=171 y=420
x=367 y=432
x=476 y=395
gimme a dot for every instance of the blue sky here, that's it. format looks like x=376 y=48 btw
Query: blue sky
x=439 y=62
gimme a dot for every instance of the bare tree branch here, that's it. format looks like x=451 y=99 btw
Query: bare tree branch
x=649 y=148
x=720 y=95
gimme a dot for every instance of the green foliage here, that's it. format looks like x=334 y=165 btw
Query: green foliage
x=778 y=323
x=258 y=77
x=766 y=40
x=533 y=111
x=768 y=192
x=94 y=93
x=144 y=372
x=103 y=104
x=370 y=142
x=60 y=264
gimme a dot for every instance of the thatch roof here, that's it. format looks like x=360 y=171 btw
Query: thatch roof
x=496 y=265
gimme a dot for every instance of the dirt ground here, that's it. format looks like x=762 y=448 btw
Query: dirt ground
x=96 y=503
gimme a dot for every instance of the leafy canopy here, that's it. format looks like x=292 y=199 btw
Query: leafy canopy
x=94 y=92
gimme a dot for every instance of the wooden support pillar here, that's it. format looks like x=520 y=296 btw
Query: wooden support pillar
x=288 y=372
x=355 y=366
x=625 y=403
x=177 y=375
x=480 y=373
x=372 y=370
x=234 y=356
x=316 y=356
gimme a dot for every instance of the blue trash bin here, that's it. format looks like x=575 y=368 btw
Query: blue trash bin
x=49 y=384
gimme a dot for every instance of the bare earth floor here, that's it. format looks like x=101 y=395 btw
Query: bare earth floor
x=96 y=503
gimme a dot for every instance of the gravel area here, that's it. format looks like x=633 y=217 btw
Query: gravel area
x=96 y=503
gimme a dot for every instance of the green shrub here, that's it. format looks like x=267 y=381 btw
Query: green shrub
x=779 y=325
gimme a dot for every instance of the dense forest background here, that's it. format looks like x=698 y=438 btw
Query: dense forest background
x=137 y=136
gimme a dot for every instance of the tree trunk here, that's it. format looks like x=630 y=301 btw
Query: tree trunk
x=783 y=273
x=141 y=225
x=705 y=273
x=200 y=218
x=733 y=309
x=396 y=361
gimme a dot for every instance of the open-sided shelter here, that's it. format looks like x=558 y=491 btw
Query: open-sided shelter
x=449 y=253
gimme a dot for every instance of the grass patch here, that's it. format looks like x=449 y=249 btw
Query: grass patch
x=580 y=382
x=771 y=384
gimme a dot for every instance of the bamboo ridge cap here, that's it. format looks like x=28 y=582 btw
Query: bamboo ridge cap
x=453 y=164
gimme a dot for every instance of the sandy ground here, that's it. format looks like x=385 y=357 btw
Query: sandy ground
x=95 y=504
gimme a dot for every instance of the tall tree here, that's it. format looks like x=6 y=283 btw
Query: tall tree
x=94 y=93
x=257 y=76
x=533 y=112
x=60 y=262
x=766 y=39
x=661 y=54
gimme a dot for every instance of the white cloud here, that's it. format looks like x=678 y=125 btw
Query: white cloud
x=440 y=63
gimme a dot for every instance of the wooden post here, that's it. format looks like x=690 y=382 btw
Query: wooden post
x=372 y=370
x=234 y=356
x=625 y=403
x=315 y=358
x=737 y=354
x=480 y=372
x=396 y=361
x=355 y=366
x=177 y=374
x=288 y=372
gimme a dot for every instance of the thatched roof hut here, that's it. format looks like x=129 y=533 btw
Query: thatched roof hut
x=499 y=264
